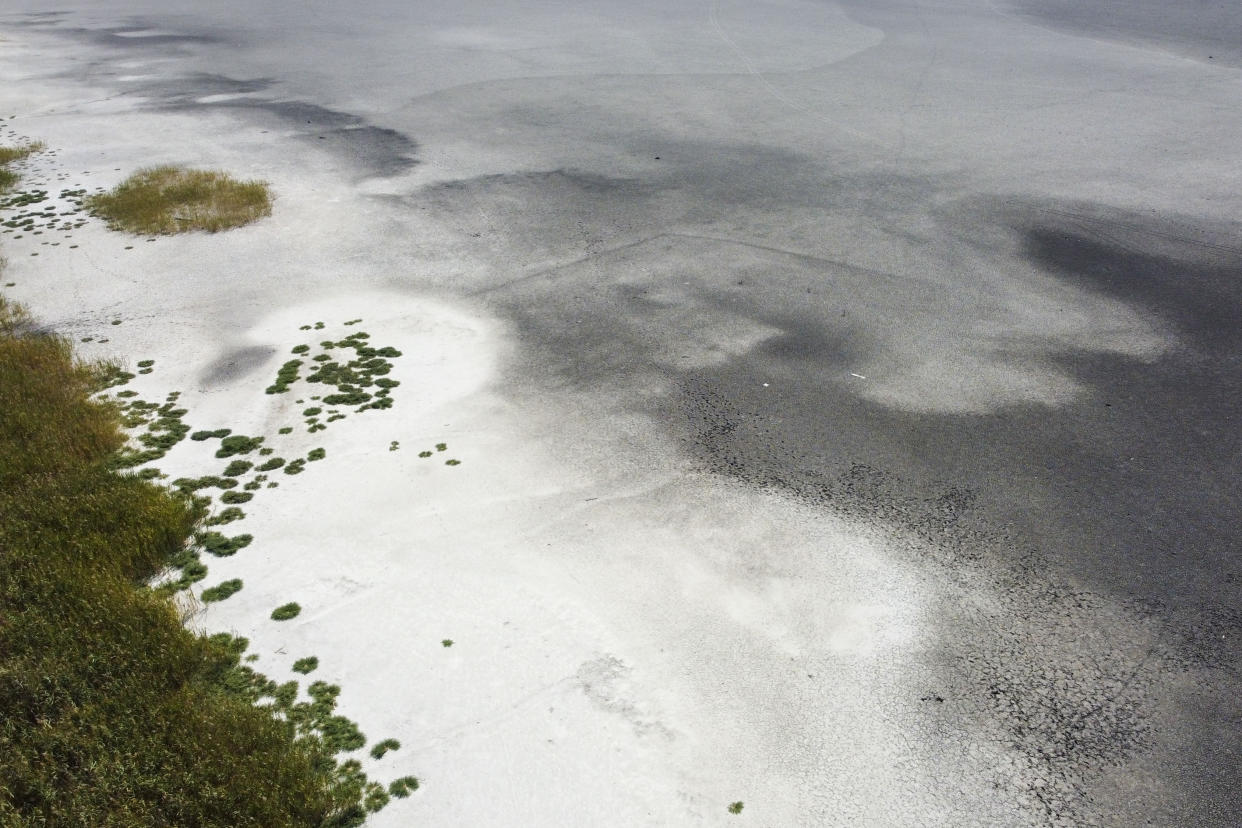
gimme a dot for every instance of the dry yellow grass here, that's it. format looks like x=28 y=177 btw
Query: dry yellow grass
x=163 y=200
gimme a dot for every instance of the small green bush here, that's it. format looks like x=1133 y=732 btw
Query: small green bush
x=380 y=748
x=238 y=444
x=375 y=797
x=736 y=808
x=236 y=497
x=237 y=468
x=403 y=787
x=286 y=611
x=341 y=734
x=295 y=466
x=221 y=590
x=316 y=454
x=306 y=665
x=272 y=464
x=221 y=546
x=219 y=433
x=228 y=515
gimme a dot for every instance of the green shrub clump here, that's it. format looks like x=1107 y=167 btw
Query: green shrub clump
x=237 y=468
x=286 y=611
x=221 y=546
x=113 y=712
x=219 y=433
x=403 y=787
x=238 y=444
x=221 y=590
x=380 y=748
x=305 y=665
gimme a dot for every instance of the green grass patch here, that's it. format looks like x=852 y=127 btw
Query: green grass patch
x=169 y=199
x=380 y=748
x=271 y=465
x=316 y=454
x=306 y=665
x=221 y=546
x=222 y=590
x=235 y=497
x=286 y=611
x=403 y=786
x=736 y=807
x=114 y=712
x=219 y=433
x=228 y=515
x=237 y=468
x=237 y=444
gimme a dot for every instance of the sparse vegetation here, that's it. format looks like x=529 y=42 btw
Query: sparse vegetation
x=168 y=199
x=736 y=807
x=8 y=155
x=235 y=497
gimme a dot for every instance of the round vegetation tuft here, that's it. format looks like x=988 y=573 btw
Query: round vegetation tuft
x=286 y=611
x=403 y=787
x=305 y=665
x=380 y=748
x=172 y=199
x=736 y=807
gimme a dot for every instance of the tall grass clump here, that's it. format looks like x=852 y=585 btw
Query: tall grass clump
x=113 y=713
x=171 y=199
